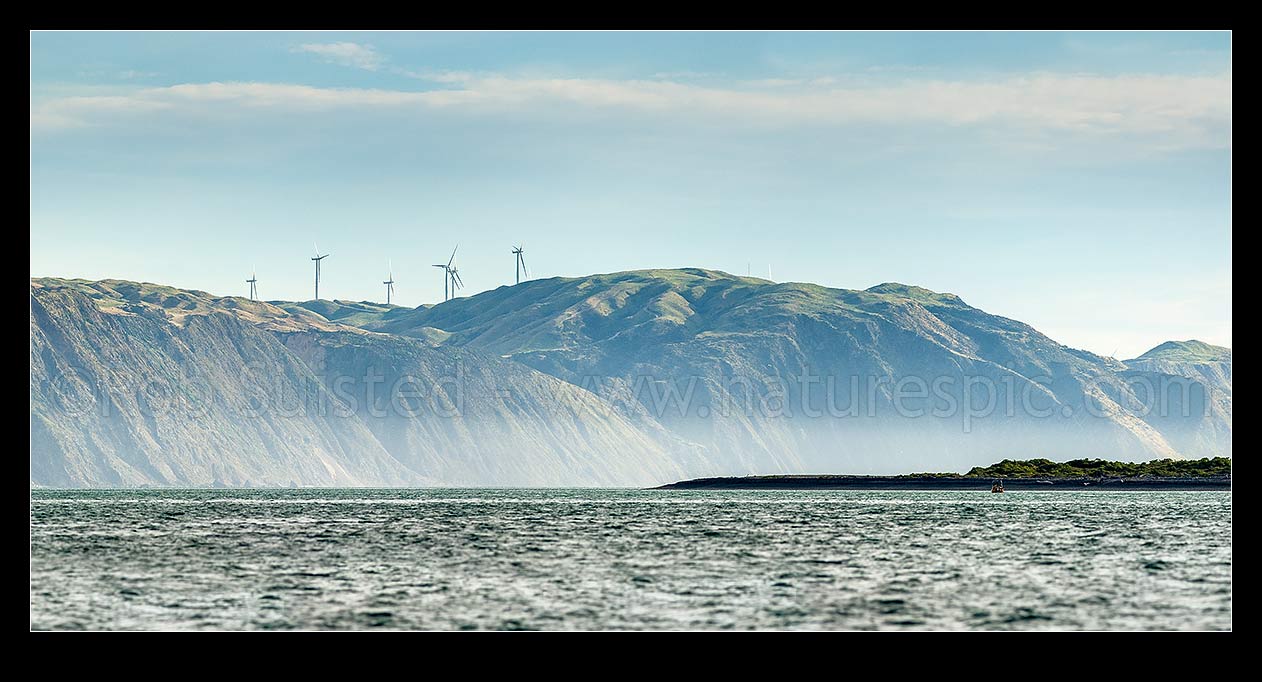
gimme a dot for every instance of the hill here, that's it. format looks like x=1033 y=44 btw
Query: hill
x=623 y=378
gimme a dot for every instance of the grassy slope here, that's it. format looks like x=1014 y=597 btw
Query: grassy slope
x=678 y=305
x=121 y=297
x=1188 y=351
x=363 y=314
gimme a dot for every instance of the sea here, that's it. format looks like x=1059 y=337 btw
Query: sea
x=579 y=559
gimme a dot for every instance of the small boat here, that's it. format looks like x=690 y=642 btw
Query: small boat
x=996 y=487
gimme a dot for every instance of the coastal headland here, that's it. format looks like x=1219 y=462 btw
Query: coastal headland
x=836 y=482
x=1211 y=473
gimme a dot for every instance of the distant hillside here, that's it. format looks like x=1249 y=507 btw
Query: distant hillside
x=121 y=297
x=136 y=384
x=1203 y=363
x=630 y=378
x=157 y=390
x=1187 y=351
x=356 y=313
x=632 y=337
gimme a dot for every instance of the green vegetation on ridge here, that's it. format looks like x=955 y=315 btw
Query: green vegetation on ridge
x=354 y=313
x=1096 y=468
x=1188 y=351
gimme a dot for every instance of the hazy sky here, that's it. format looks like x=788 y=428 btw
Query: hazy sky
x=1077 y=182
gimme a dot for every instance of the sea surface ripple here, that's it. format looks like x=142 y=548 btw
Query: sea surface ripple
x=629 y=559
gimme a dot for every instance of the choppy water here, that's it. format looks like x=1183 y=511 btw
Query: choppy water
x=600 y=559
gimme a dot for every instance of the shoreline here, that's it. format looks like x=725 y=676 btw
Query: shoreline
x=841 y=482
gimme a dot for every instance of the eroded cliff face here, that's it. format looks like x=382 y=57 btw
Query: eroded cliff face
x=126 y=394
x=468 y=419
x=129 y=397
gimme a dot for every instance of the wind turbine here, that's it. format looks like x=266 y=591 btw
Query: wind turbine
x=253 y=281
x=389 y=283
x=451 y=278
x=521 y=263
x=456 y=282
x=317 y=260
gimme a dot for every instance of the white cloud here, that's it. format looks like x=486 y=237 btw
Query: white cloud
x=1179 y=111
x=81 y=111
x=347 y=54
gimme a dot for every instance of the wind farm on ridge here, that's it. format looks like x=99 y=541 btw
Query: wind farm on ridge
x=451 y=274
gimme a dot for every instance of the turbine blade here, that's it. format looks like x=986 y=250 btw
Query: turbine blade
x=453 y=255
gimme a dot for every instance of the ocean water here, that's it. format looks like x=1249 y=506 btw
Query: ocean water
x=626 y=559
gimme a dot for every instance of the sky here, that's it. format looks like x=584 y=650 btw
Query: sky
x=1079 y=182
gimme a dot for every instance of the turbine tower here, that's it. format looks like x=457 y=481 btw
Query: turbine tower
x=521 y=263
x=253 y=281
x=317 y=260
x=456 y=282
x=389 y=284
x=451 y=276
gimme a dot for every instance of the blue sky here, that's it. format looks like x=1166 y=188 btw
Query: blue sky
x=1078 y=182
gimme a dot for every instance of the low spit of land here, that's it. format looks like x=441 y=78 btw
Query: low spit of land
x=1034 y=474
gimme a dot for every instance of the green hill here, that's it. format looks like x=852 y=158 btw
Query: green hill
x=1188 y=351
x=626 y=335
x=355 y=313
x=612 y=379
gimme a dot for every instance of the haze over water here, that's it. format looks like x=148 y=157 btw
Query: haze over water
x=628 y=559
